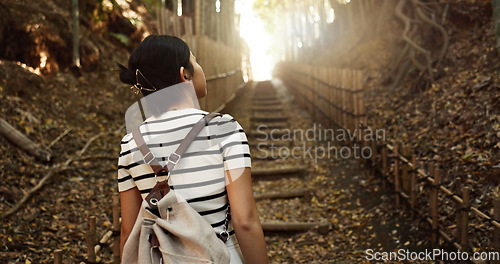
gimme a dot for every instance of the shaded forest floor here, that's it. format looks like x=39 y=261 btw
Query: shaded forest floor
x=456 y=122
x=44 y=108
x=79 y=105
x=345 y=194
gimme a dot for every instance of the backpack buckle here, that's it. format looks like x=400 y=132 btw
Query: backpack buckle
x=178 y=157
x=148 y=158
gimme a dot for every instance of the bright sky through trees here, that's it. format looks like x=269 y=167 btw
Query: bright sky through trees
x=252 y=30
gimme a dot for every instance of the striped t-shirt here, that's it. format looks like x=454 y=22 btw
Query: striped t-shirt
x=199 y=176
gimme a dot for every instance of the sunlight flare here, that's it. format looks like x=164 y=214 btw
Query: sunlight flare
x=253 y=31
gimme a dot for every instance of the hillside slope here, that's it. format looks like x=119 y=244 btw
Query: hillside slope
x=44 y=97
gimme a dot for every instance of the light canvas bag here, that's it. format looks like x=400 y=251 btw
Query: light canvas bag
x=168 y=230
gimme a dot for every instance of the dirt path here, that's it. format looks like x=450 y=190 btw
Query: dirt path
x=344 y=194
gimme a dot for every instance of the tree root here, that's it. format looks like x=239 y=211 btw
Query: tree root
x=413 y=51
x=441 y=29
x=407 y=22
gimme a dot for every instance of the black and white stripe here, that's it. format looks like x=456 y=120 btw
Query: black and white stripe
x=199 y=177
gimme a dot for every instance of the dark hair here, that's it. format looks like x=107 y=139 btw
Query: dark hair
x=159 y=58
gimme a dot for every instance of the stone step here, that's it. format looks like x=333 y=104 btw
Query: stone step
x=260 y=118
x=264 y=98
x=271 y=108
x=266 y=102
x=262 y=133
x=265 y=144
x=306 y=193
x=270 y=126
x=297 y=170
x=263 y=155
x=321 y=227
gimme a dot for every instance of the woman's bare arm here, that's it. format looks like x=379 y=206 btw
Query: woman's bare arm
x=244 y=216
x=130 y=201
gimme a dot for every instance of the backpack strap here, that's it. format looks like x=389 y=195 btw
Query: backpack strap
x=175 y=156
x=162 y=188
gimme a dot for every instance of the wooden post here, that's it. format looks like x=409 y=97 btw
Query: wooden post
x=326 y=94
x=413 y=185
x=91 y=239
x=384 y=164
x=321 y=92
x=396 y=174
x=331 y=109
x=175 y=6
x=116 y=228
x=58 y=255
x=218 y=24
x=339 y=98
x=359 y=136
x=197 y=17
x=312 y=110
x=338 y=84
x=161 y=18
x=355 y=101
x=373 y=157
x=361 y=103
x=496 y=232
x=404 y=169
x=76 y=33
x=343 y=98
x=464 y=243
x=433 y=205
x=458 y=215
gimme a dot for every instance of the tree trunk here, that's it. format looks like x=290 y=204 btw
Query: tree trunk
x=197 y=17
x=76 y=33
x=496 y=21
x=22 y=141
x=386 y=14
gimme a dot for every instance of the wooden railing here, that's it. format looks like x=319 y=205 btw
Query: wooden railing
x=334 y=97
x=413 y=182
x=222 y=67
x=220 y=62
x=96 y=243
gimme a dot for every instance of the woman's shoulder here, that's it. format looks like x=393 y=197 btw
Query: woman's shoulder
x=226 y=119
x=126 y=139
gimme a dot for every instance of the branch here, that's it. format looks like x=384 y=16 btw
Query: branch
x=406 y=20
x=400 y=58
x=415 y=61
x=22 y=141
x=53 y=170
x=443 y=32
x=58 y=138
x=93 y=157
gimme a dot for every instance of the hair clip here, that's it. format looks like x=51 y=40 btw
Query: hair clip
x=137 y=88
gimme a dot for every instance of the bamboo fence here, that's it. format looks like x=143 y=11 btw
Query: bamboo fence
x=334 y=97
x=95 y=245
x=413 y=183
x=172 y=24
x=220 y=62
x=222 y=68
